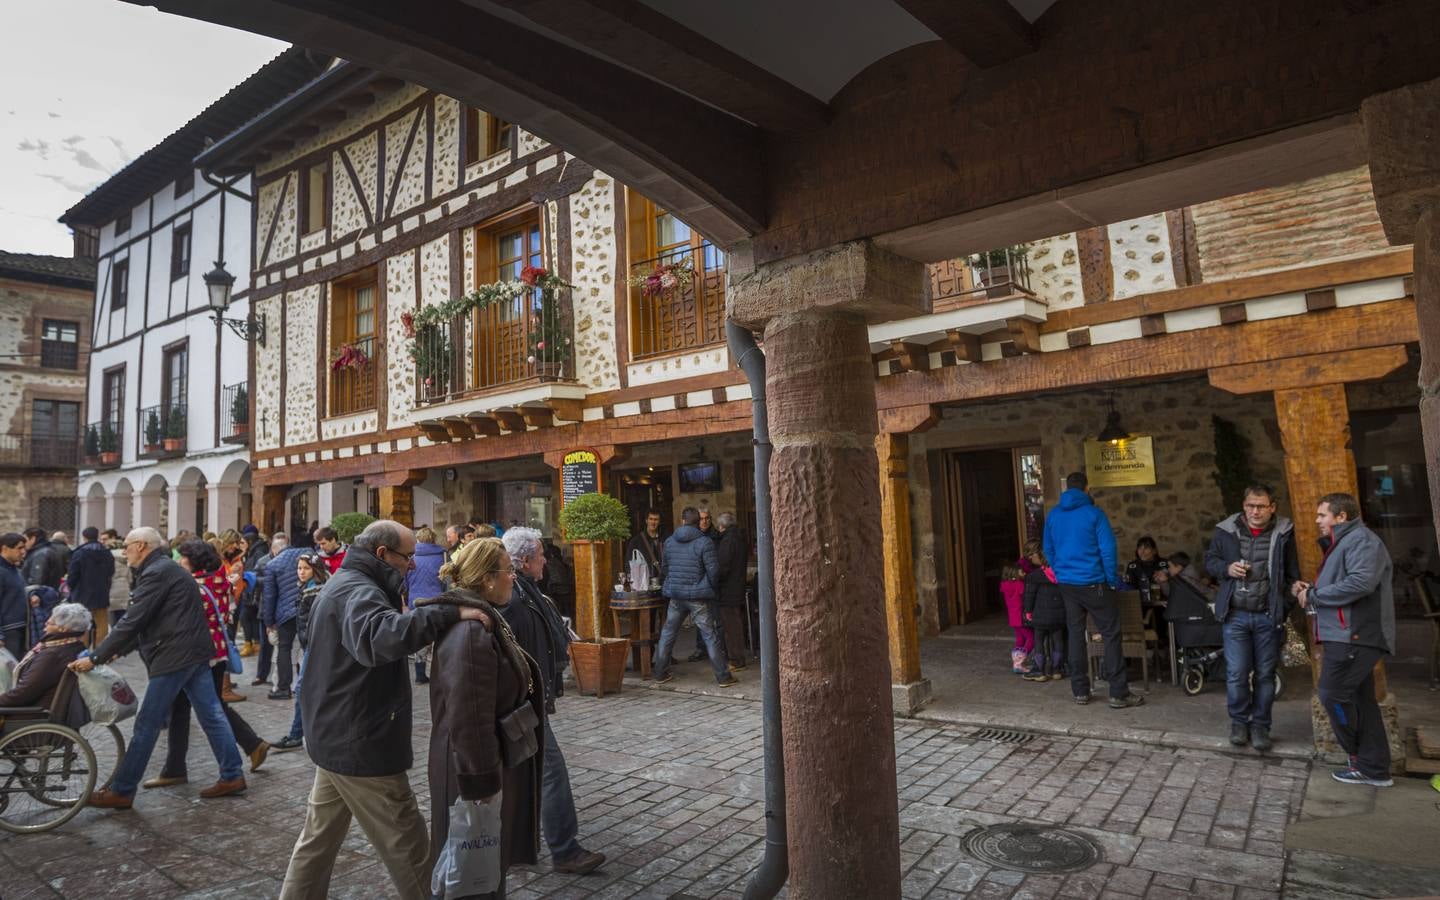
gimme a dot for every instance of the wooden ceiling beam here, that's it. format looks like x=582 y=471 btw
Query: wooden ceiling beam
x=633 y=33
x=483 y=425
x=567 y=409
x=988 y=33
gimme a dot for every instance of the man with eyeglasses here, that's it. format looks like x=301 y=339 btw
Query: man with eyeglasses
x=355 y=704
x=1253 y=557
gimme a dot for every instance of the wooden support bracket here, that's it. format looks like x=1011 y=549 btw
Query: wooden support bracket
x=567 y=409
x=537 y=416
x=911 y=357
x=965 y=345
x=459 y=428
x=509 y=419
x=1025 y=334
x=482 y=424
x=435 y=430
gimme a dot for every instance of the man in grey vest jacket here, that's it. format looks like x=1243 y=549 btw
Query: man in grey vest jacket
x=1354 y=617
x=1253 y=557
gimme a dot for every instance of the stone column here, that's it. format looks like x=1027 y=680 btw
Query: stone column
x=182 y=509
x=223 y=508
x=147 y=509
x=398 y=504
x=829 y=587
x=119 y=512
x=336 y=497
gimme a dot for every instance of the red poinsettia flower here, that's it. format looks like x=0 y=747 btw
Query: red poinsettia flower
x=530 y=275
x=407 y=321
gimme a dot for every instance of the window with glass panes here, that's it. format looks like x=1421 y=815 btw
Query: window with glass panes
x=59 y=344
x=502 y=346
x=54 y=432
x=352 y=324
x=176 y=370
x=112 y=397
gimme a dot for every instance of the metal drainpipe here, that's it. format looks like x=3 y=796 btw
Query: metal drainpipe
x=774 y=868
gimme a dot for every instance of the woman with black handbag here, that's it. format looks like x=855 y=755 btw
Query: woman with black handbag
x=487 y=712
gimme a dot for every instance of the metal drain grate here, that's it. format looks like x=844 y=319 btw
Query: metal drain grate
x=1003 y=736
x=1033 y=848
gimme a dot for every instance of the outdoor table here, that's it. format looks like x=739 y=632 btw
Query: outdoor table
x=638 y=608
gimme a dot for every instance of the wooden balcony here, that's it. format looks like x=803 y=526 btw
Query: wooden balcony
x=26 y=450
x=687 y=316
x=518 y=342
x=997 y=275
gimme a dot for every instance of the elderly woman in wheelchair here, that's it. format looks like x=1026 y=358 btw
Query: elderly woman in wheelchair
x=47 y=767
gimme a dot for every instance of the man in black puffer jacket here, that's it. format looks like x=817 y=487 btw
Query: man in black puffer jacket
x=692 y=578
x=43 y=562
x=166 y=622
x=355 y=703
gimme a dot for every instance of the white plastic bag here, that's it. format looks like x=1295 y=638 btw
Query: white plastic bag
x=639 y=571
x=469 y=863
x=7 y=670
x=106 y=695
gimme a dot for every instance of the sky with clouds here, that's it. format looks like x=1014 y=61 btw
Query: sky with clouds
x=88 y=85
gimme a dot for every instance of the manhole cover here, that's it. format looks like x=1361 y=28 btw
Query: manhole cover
x=1032 y=848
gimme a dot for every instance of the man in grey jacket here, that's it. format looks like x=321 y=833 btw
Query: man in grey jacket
x=1354 y=618
x=356 y=707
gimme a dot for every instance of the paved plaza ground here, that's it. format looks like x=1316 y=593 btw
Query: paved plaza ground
x=670 y=787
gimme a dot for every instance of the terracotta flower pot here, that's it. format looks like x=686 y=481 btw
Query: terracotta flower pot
x=152 y=448
x=109 y=459
x=173 y=444
x=241 y=427
x=599 y=667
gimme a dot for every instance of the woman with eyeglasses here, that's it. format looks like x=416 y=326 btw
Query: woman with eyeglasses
x=487 y=709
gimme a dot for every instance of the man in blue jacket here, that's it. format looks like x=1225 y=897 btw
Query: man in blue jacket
x=92 y=566
x=692 y=581
x=281 y=603
x=1081 y=550
x=14 y=607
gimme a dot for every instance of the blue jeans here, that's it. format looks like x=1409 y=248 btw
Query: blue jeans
x=199 y=688
x=1250 y=646
x=703 y=613
x=557 y=804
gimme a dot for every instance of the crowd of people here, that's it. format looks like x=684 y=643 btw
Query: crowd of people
x=361 y=614
x=1064 y=589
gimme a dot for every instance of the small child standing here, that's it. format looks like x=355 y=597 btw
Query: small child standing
x=1044 y=610
x=1012 y=589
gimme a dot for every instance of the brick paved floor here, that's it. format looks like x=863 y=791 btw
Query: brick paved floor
x=669 y=787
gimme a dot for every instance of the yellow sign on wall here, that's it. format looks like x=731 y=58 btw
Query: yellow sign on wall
x=1121 y=463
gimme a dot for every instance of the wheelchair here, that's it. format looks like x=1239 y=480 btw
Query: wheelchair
x=48 y=768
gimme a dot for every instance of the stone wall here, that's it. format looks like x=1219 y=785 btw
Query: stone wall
x=20 y=498
x=593 y=271
x=1180 y=510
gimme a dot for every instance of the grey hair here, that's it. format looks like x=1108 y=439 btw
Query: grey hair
x=145 y=535
x=522 y=543
x=58 y=536
x=726 y=520
x=279 y=540
x=71 y=617
x=381 y=533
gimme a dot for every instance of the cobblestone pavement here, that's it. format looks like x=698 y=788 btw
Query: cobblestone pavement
x=669 y=787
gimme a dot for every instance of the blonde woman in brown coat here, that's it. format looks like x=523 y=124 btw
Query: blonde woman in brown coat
x=481 y=678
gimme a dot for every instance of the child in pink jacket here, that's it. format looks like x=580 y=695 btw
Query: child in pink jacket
x=1012 y=588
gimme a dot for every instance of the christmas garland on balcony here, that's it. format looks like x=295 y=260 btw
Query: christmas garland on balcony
x=433 y=350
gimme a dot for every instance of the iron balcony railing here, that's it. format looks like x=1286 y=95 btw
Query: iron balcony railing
x=506 y=342
x=235 y=413
x=163 y=429
x=688 y=315
x=102 y=441
x=992 y=275
x=352 y=385
x=40 y=450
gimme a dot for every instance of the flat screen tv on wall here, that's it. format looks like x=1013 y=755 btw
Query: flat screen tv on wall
x=700 y=478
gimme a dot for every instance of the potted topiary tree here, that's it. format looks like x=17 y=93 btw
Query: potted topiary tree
x=152 y=432
x=240 y=411
x=109 y=445
x=348 y=525
x=590 y=522
x=175 y=430
x=92 y=445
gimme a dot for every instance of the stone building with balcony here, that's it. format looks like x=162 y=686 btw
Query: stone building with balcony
x=165 y=442
x=45 y=306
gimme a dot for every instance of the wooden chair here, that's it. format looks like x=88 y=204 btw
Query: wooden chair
x=1136 y=641
x=1427 y=587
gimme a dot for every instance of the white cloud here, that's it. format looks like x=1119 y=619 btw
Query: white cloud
x=90 y=79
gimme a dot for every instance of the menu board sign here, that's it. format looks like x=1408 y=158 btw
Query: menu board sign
x=1123 y=463
x=579 y=474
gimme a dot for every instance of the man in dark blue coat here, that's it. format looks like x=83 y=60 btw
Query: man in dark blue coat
x=92 y=566
x=1081 y=548
x=14 y=608
x=281 y=604
x=692 y=583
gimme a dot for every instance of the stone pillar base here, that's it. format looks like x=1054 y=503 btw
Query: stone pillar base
x=1325 y=744
x=910 y=698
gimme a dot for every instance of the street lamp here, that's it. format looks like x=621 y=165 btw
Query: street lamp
x=218 y=284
